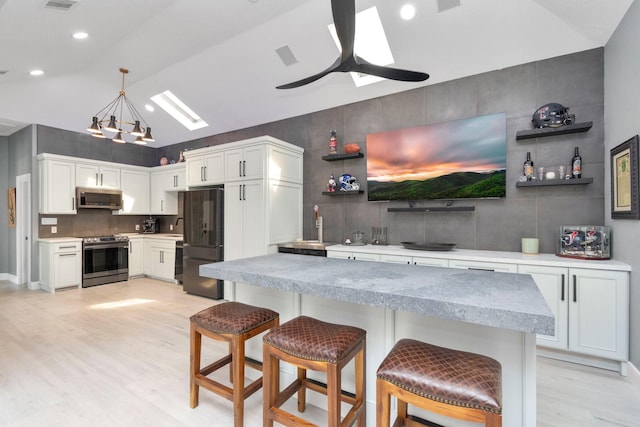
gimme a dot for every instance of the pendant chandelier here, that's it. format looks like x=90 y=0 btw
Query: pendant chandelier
x=110 y=118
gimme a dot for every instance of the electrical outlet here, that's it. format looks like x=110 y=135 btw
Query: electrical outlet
x=170 y=227
x=137 y=227
x=54 y=229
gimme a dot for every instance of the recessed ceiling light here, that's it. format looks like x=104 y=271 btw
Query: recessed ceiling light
x=407 y=12
x=80 y=35
x=36 y=72
x=370 y=43
x=149 y=107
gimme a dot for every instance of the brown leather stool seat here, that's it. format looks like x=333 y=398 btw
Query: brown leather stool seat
x=231 y=322
x=312 y=344
x=454 y=383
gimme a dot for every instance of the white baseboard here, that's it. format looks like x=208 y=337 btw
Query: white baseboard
x=34 y=286
x=633 y=374
x=9 y=277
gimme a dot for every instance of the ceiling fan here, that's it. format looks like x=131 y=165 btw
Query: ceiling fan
x=344 y=18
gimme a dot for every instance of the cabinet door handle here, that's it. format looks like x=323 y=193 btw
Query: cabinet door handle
x=201 y=173
x=68 y=254
x=96 y=178
x=131 y=249
x=68 y=247
x=101 y=180
x=244 y=192
x=205 y=173
x=244 y=168
x=575 y=289
x=239 y=167
x=73 y=203
x=239 y=192
x=481 y=269
x=562 y=293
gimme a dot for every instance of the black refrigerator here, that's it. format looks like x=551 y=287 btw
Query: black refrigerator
x=203 y=240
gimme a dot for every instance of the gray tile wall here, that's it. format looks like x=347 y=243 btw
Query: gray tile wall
x=573 y=80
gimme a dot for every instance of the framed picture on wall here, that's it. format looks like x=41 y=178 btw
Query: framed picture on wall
x=624 y=180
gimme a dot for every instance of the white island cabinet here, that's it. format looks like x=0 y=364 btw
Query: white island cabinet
x=589 y=299
x=60 y=263
x=392 y=301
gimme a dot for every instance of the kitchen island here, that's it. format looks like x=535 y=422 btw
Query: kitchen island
x=495 y=314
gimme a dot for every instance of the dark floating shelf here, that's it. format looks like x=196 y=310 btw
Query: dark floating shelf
x=342 y=193
x=334 y=157
x=563 y=130
x=434 y=209
x=555 y=182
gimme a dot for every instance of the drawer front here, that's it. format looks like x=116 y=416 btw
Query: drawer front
x=67 y=247
x=486 y=266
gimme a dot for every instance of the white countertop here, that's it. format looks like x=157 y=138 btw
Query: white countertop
x=164 y=236
x=551 y=260
x=60 y=239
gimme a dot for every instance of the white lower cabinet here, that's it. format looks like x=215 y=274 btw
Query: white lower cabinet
x=136 y=256
x=60 y=264
x=591 y=309
x=160 y=259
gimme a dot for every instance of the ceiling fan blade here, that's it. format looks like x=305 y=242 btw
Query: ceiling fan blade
x=313 y=78
x=344 y=19
x=365 y=67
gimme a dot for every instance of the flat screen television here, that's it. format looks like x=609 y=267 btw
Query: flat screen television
x=461 y=159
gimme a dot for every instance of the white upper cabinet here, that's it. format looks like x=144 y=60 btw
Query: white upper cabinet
x=97 y=176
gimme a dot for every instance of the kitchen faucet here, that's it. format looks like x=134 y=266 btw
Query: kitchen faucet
x=178 y=219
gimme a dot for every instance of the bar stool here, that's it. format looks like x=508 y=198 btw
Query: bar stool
x=312 y=344
x=458 y=384
x=235 y=323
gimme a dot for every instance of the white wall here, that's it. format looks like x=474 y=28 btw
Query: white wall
x=622 y=121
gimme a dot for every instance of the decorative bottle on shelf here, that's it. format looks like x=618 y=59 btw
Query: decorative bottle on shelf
x=527 y=167
x=333 y=142
x=576 y=165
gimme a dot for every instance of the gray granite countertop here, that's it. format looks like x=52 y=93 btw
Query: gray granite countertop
x=502 y=300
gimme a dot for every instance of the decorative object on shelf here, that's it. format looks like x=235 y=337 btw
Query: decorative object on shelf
x=527 y=167
x=357 y=238
x=112 y=116
x=378 y=235
x=348 y=182
x=530 y=245
x=164 y=161
x=624 y=180
x=351 y=148
x=181 y=157
x=428 y=246
x=584 y=242
x=331 y=186
x=576 y=165
x=333 y=143
x=344 y=19
x=552 y=115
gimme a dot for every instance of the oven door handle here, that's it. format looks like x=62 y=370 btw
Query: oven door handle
x=107 y=246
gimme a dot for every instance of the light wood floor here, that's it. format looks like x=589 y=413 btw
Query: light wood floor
x=118 y=355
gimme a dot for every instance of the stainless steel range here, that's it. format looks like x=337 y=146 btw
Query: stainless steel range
x=104 y=260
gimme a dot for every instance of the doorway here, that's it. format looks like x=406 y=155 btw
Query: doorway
x=23 y=229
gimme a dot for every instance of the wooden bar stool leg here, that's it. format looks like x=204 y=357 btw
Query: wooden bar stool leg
x=237 y=363
x=270 y=384
x=231 y=348
x=334 y=384
x=361 y=389
x=493 y=420
x=302 y=391
x=383 y=404
x=195 y=350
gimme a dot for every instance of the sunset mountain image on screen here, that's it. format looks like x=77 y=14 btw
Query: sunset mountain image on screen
x=453 y=160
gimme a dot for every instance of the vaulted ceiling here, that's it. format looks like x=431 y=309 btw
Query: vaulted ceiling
x=219 y=56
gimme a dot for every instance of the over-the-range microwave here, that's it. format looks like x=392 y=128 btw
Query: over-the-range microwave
x=99 y=198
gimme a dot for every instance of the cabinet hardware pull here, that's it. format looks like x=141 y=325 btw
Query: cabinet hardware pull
x=562 y=294
x=101 y=180
x=481 y=269
x=239 y=167
x=73 y=203
x=201 y=173
x=239 y=192
x=96 y=178
x=68 y=247
x=205 y=173
x=244 y=192
x=130 y=249
x=244 y=168
x=575 y=297
x=68 y=254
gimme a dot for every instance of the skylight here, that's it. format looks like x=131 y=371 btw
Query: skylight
x=370 y=44
x=178 y=110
